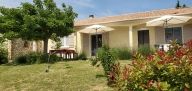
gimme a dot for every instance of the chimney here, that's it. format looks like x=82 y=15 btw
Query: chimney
x=91 y=16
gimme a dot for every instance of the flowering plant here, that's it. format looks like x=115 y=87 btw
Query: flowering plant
x=171 y=70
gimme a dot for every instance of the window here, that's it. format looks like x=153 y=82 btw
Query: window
x=64 y=42
x=174 y=33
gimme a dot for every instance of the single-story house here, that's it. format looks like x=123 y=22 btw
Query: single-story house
x=130 y=30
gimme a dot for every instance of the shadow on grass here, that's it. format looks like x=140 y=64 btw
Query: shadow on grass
x=68 y=66
x=8 y=64
x=23 y=64
x=100 y=76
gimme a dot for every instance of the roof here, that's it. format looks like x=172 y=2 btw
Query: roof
x=133 y=16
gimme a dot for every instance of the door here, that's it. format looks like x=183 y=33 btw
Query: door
x=96 y=42
x=143 y=38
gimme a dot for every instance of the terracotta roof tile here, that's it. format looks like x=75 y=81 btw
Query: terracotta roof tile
x=134 y=16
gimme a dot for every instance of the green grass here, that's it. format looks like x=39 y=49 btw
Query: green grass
x=63 y=76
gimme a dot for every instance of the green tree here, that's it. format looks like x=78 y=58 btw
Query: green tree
x=178 y=5
x=37 y=21
x=184 y=6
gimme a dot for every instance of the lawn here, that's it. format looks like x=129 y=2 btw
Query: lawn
x=63 y=76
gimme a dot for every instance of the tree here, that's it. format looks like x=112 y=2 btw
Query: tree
x=178 y=5
x=37 y=21
x=184 y=6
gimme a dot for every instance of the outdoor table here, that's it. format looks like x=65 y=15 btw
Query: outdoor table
x=65 y=53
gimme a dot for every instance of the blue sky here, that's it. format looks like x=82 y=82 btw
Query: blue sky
x=101 y=8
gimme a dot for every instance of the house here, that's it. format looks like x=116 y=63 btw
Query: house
x=130 y=30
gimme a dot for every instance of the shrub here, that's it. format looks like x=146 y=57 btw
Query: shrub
x=49 y=58
x=3 y=56
x=21 y=59
x=29 y=58
x=170 y=71
x=145 y=50
x=54 y=58
x=35 y=57
x=106 y=57
x=123 y=53
x=82 y=56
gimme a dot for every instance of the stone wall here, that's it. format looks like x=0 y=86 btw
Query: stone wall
x=20 y=47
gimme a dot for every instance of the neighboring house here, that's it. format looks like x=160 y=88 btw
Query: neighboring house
x=130 y=30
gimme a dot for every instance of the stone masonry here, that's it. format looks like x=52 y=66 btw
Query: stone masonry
x=18 y=47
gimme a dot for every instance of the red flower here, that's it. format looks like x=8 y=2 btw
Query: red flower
x=161 y=53
x=189 y=44
x=179 y=53
x=150 y=57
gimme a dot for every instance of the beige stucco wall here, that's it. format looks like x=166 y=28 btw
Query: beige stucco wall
x=159 y=35
x=105 y=38
x=79 y=41
x=187 y=32
x=119 y=37
x=86 y=44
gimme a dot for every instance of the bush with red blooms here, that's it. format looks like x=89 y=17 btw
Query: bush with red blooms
x=162 y=71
